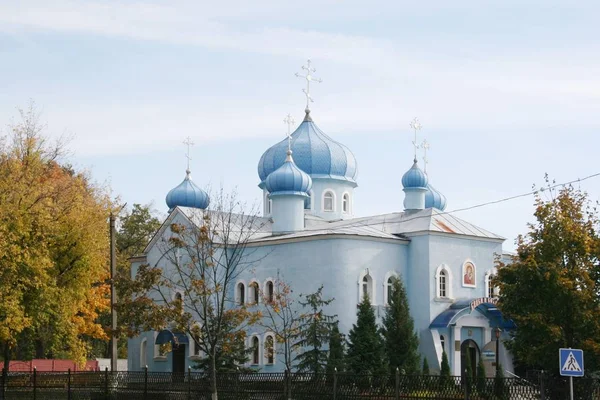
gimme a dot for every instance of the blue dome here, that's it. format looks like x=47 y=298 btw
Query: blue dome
x=414 y=178
x=288 y=179
x=187 y=194
x=434 y=199
x=314 y=153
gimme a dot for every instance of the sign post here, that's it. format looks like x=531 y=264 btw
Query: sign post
x=571 y=365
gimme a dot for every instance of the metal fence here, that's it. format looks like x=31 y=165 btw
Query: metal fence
x=281 y=386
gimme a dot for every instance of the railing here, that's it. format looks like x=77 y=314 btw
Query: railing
x=278 y=386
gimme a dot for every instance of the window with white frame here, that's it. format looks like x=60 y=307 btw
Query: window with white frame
x=240 y=293
x=442 y=285
x=490 y=290
x=443 y=282
x=143 y=353
x=389 y=289
x=255 y=350
x=329 y=201
x=443 y=343
x=253 y=293
x=346 y=203
x=196 y=349
x=367 y=288
x=269 y=291
x=308 y=201
x=270 y=349
x=268 y=203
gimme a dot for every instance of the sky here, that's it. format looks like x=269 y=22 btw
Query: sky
x=506 y=92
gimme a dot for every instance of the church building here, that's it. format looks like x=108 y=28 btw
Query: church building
x=310 y=236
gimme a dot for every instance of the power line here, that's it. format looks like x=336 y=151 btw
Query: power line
x=502 y=200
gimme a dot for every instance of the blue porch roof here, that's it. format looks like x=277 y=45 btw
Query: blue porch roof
x=463 y=306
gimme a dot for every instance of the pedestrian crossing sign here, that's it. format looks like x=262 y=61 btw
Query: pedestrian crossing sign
x=571 y=362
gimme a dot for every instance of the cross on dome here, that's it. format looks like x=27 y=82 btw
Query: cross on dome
x=425 y=146
x=188 y=142
x=309 y=78
x=416 y=126
x=289 y=120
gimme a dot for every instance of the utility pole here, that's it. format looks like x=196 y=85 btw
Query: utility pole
x=113 y=295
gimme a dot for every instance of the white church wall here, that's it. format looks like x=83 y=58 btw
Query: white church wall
x=338 y=188
x=337 y=264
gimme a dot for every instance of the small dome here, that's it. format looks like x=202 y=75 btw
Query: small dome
x=434 y=198
x=288 y=179
x=414 y=178
x=314 y=152
x=187 y=194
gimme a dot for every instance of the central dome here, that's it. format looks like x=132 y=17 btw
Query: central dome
x=314 y=153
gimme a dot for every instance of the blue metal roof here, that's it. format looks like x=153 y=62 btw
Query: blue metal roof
x=187 y=194
x=414 y=178
x=166 y=336
x=314 y=153
x=450 y=315
x=288 y=179
x=434 y=198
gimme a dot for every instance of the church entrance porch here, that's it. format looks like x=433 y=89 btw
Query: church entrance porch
x=469 y=354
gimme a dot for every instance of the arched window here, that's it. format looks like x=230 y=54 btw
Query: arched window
x=270 y=291
x=308 y=201
x=442 y=284
x=328 y=201
x=389 y=286
x=490 y=290
x=443 y=343
x=254 y=293
x=255 y=350
x=346 y=203
x=270 y=349
x=143 y=353
x=367 y=288
x=268 y=203
x=241 y=293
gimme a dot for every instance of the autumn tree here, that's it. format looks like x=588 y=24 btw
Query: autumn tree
x=550 y=290
x=201 y=260
x=281 y=315
x=314 y=332
x=136 y=226
x=53 y=248
x=398 y=331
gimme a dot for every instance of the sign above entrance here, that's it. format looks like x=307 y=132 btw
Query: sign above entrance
x=482 y=300
x=571 y=362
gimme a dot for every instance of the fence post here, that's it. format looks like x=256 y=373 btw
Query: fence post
x=69 y=384
x=542 y=389
x=466 y=384
x=397 y=385
x=189 y=382
x=106 y=383
x=2 y=391
x=145 y=381
x=34 y=383
x=335 y=383
x=237 y=383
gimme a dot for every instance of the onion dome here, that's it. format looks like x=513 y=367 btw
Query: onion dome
x=314 y=153
x=187 y=194
x=434 y=198
x=414 y=178
x=288 y=179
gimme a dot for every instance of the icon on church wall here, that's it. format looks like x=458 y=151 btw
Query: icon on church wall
x=469 y=274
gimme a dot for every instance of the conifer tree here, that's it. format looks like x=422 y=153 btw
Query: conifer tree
x=365 y=346
x=425 y=367
x=480 y=377
x=400 y=340
x=445 y=370
x=314 y=332
x=335 y=361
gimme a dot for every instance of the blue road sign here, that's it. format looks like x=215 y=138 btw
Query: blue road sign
x=571 y=362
